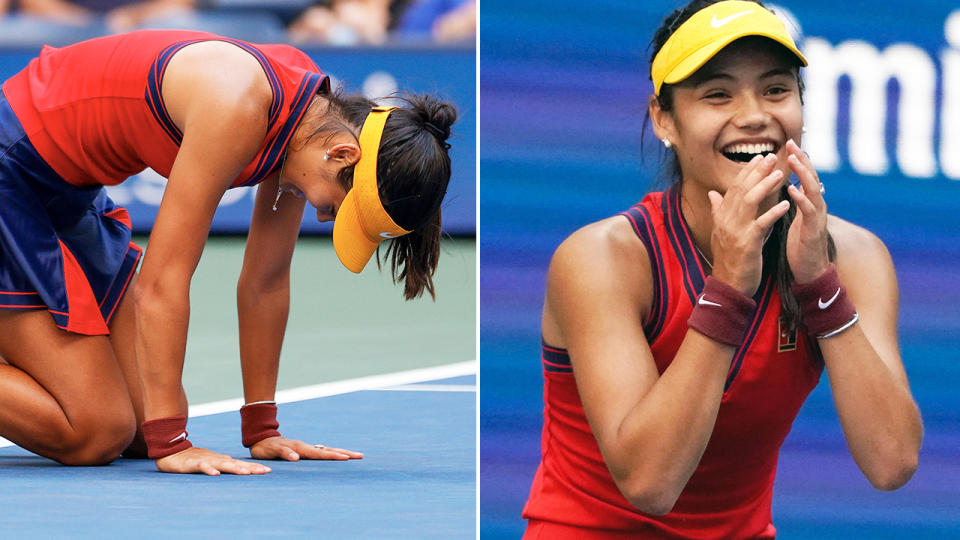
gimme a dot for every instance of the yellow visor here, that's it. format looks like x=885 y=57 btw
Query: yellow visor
x=708 y=31
x=362 y=221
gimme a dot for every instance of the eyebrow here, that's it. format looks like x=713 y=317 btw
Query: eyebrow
x=776 y=72
x=709 y=77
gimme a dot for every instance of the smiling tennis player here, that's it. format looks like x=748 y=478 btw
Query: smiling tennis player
x=681 y=338
x=91 y=350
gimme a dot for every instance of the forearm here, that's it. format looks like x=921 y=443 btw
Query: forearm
x=880 y=420
x=162 y=319
x=659 y=443
x=262 y=312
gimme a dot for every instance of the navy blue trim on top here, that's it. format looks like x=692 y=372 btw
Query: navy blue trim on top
x=640 y=219
x=154 y=95
x=555 y=360
x=762 y=298
x=679 y=235
x=270 y=160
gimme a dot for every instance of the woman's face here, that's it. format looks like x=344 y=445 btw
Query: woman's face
x=744 y=101
x=307 y=174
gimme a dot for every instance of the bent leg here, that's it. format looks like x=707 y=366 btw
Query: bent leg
x=62 y=395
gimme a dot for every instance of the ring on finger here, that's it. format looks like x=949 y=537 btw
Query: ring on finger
x=320 y=446
x=822 y=189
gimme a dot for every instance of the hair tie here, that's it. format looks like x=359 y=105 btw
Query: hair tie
x=438 y=133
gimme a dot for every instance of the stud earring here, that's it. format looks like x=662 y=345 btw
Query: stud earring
x=803 y=129
x=667 y=143
x=326 y=156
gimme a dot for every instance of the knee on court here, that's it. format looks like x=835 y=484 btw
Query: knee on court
x=98 y=441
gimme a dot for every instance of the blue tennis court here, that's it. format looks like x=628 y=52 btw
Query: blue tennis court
x=416 y=480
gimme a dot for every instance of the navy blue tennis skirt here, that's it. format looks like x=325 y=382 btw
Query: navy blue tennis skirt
x=63 y=248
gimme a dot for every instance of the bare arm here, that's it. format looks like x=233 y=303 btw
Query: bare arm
x=880 y=420
x=218 y=95
x=263 y=290
x=263 y=304
x=879 y=417
x=651 y=441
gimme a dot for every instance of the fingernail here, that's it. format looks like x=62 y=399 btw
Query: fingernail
x=791 y=142
x=293 y=455
x=777 y=173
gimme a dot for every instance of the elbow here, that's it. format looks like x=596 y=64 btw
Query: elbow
x=255 y=286
x=894 y=474
x=656 y=498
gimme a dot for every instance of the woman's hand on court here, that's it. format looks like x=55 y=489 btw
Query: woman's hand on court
x=807 y=236
x=201 y=460
x=738 y=233
x=294 y=450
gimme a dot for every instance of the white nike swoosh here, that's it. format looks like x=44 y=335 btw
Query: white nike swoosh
x=825 y=305
x=178 y=437
x=717 y=23
x=705 y=302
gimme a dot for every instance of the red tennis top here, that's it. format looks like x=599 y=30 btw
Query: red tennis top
x=95 y=113
x=729 y=494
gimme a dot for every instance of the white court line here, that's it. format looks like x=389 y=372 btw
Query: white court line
x=372 y=382
x=430 y=388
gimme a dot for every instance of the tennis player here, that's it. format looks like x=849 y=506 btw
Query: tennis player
x=681 y=337
x=92 y=349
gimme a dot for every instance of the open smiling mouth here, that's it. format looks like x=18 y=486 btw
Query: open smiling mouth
x=744 y=152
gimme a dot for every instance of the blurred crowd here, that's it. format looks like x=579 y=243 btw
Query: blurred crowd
x=323 y=22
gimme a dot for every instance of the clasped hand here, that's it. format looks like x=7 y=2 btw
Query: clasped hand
x=739 y=232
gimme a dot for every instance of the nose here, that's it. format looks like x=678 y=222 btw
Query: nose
x=751 y=114
x=325 y=214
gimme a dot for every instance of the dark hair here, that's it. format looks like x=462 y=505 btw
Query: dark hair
x=775 y=249
x=413 y=170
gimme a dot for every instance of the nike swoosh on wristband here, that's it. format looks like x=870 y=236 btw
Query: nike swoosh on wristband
x=717 y=23
x=825 y=305
x=178 y=437
x=704 y=302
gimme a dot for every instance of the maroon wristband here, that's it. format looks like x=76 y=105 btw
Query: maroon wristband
x=258 y=421
x=722 y=313
x=826 y=308
x=165 y=436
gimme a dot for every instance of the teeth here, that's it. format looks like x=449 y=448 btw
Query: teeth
x=744 y=148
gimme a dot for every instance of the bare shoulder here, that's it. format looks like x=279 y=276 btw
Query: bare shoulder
x=863 y=261
x=855 y=243
x=213 y=78
x=603 y=262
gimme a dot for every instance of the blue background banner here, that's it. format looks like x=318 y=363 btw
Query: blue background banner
x=563 y=91
x=447 y=72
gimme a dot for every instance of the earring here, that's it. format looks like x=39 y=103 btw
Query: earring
x=803 y=129
x=326 y=156
x=667 y=143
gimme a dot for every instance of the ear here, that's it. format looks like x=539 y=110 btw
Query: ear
x=664 y=125
x=346 y=153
